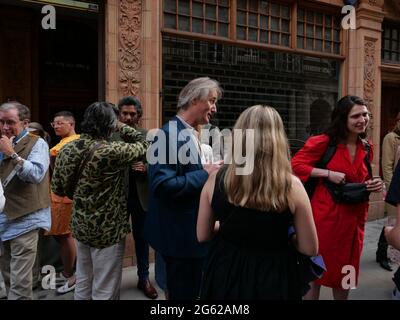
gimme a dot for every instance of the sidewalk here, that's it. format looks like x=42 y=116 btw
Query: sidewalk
x=375 y=283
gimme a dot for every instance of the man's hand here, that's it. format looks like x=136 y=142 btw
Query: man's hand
x=211 y=167
x=6 y=145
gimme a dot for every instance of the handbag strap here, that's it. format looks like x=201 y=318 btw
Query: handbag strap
x=88 y=155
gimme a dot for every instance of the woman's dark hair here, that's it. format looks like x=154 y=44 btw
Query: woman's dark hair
x=337 y=129
x=99 y=120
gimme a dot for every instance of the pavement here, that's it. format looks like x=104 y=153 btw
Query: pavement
x=375 y=283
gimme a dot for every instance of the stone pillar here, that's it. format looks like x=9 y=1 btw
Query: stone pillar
x=364 y=59
x=151 y=63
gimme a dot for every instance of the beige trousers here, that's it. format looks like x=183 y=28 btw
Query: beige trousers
x=16 y=265
x=99 y=272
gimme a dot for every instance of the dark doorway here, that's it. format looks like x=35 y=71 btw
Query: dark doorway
x=51 y=70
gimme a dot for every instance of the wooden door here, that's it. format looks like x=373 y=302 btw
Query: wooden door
x=15 y=56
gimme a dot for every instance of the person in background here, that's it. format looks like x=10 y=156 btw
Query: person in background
x=25 y=176
x=250 y=256
x=392 y=233
x=390 y=158
x=340 y=226
x=90 y=171
x=130 y=113
x=61 y=207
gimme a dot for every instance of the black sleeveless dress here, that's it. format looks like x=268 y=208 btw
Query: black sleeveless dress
x=251 y=257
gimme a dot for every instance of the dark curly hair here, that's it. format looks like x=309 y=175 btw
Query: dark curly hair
x=99 y=120
x=337 y=129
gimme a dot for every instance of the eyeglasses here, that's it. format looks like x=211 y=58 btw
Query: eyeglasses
x=58 y=124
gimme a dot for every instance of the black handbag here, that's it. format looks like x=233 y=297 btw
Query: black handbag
x=348 y=192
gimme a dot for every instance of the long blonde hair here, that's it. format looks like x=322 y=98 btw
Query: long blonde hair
x=267 y=186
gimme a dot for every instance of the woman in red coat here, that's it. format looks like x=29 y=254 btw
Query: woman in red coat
x=340 y=226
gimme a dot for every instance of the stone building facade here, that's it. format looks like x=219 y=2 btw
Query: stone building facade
x=294 y=55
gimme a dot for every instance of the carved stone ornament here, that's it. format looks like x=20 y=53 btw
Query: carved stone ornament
x=130 y=23
x=369 y=74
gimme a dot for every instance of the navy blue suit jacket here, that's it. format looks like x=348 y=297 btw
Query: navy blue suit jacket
x=170 y=225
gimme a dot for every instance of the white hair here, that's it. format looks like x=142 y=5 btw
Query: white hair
x=198 y=88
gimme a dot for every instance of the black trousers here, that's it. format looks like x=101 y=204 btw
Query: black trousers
x=184 y=277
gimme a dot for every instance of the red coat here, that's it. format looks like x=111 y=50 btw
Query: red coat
x=340 y=227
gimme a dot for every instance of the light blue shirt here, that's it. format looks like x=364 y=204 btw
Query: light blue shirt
x=33 y=171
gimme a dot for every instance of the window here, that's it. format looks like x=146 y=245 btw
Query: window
x=391 y=43
x=318 y=31
x=263 y=21
x=210 y=17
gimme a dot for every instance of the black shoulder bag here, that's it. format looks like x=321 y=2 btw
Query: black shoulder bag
x=351 y=192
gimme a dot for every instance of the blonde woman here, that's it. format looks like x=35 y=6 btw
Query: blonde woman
x=250 y=256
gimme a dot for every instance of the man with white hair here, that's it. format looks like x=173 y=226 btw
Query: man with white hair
x=24 y=174
x=175 y=187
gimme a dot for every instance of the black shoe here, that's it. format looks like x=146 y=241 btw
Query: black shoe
x=381 y=253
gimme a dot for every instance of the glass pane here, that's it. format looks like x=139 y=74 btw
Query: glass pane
x=318 y=18
x=223 y=29
x=170 y=6
x=264 y=36
x=310 y=16
x=223 y=3
x=198 y=10
x=300 y=15
x=318 y=45
x=309 y=44
x=241 y=33
x=254 y=5
x=274 y=23
x=253 y=20
x=275 y=9
x=252 y=34
x=310 y=31
x=336 y=35
x=197 y=25
x=285 y=25
x=264 y=22
x=387 y=44
x=223 y=14
x=241 y=18
x=285 y=40
x=285 y=12
x=211 y=27
x=184 y=23
x=211 y=12
x=328 y=34
x=327 y=46
x=242 y=4
x=387 y=32
x=336 y=48
x=394 y=45
x=169 y=21
x=387 y=55
x=394 y=34
x=184 y=7
x=274 y=38
x=328 y=20
x=318 y=32
x=300 y=42
x=264 y=7
x=300 y=28
x=210 y=1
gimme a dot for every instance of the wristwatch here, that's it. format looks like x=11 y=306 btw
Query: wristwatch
x=16 y=158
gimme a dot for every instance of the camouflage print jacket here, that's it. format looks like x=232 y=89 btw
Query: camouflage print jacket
x=99 y=214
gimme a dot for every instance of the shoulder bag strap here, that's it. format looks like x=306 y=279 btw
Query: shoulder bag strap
x=88 y=156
